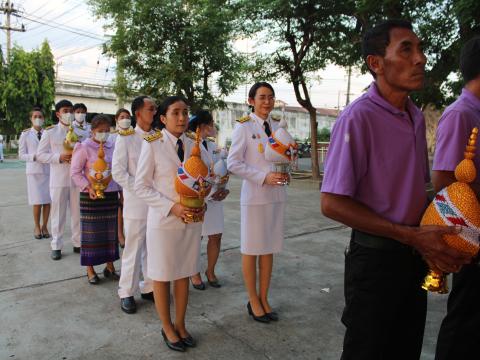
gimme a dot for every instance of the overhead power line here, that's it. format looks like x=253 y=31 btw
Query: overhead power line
x=64 y=28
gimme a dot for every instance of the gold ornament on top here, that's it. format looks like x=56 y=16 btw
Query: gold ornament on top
x=100 y=175
x=191 y=183
x=456 y=204
x=71 y=138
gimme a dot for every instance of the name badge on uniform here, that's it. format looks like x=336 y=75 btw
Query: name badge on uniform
x=260 y=148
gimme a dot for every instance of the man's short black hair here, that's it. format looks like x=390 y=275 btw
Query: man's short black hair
x=376 y=39
x=80 y=106
x=62 y=103
x=470 y=59
x=138 y=103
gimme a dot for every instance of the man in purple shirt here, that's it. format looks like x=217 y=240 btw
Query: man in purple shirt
x=459 y=334
x=374 y=182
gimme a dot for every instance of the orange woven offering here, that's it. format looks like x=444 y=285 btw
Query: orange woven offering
x=100 y=175
x=456 y=204
x=191 y=183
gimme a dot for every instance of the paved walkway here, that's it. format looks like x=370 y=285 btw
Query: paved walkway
x=48 y=311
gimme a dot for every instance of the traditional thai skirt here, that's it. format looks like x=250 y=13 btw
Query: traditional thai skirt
x=99 y=229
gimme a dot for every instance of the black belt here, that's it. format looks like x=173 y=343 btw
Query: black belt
x=378 y=242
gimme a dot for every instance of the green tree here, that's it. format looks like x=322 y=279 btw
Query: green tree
x=29 y=81
x=443 y=25
x=305 y=34
x=181 y=47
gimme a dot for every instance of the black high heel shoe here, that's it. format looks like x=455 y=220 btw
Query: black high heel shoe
x=273 y=316
x=263 y=319
x=176 y=346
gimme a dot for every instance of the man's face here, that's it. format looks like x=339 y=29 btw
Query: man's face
x=403 y=66
x=147 y=112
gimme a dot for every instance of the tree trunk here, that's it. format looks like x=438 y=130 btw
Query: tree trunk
x=313 y=136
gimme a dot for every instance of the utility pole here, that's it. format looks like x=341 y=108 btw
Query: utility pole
x=9 y=10
x=348 y=85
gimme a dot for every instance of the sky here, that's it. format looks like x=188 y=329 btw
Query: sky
x=76 y=37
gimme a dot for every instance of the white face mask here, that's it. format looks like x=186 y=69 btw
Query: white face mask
x=101 y=136
x=124 y=123
x=38 y=121
x=66 y=118
x=80 y=118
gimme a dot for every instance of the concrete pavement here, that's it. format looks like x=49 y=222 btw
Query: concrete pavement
x=48 y=311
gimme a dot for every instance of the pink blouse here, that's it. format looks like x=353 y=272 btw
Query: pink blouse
x=84 y=155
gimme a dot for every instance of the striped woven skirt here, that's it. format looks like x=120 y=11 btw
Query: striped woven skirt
x=99 y=230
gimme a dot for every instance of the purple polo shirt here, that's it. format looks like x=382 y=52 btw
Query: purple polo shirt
x=378 y=157
x=454 y=129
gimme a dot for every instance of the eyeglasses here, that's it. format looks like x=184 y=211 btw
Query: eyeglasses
x=268 y=98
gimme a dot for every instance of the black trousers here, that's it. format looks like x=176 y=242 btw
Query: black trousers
x=385 y=306
x=459 y=336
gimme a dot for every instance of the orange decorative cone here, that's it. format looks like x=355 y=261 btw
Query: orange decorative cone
x=456 y=204
x=191 y=183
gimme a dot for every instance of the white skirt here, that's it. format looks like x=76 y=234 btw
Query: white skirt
x=213 y=223
x=38 y=189
x=173 y=253
x=261 y=230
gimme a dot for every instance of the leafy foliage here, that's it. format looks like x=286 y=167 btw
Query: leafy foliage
x=181 y=47
x=28 y=81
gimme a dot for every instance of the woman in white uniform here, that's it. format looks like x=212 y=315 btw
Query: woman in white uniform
x=173 y=246
x=122 y=126
x=262 y=199
x=214 y=221
x=38 y=174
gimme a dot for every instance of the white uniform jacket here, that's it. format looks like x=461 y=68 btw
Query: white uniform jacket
x=48 y=152
x=124 y=166
x=155 y=179
x=246 y=158
x=27 y=148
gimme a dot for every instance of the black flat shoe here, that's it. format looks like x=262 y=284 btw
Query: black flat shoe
x=148 y=296
x=200 y=286
x=176 y=346
x=273 y=316
x=128 y=305
x=76 y=249
x=38 y=236
x=94 y=280
x=110 y=274
x=263 y=319
x=45 y=235
x=189 y=341
x=56 y=254
x=213 y=283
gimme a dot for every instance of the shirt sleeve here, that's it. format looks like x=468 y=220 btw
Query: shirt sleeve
x=452 y=135
x=78 y=167
x=236 y=158
x=120 y=165
x=44 y=150
x=347 y=158
x=22 y=149
x=144 y=181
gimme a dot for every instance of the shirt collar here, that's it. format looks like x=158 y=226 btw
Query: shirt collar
x=471 y=98
x=260 y=121
x=142 y=132
x=375 y=96
x=90 y=142
x=173 y=139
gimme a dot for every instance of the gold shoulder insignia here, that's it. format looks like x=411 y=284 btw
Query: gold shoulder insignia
x=155 y=136
x=190 y=134
x=211 y=139
x=114 y=131
x=243 y=119
x=25 y=130
x=127 y=132
x=49 y=127
x=276 y=118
